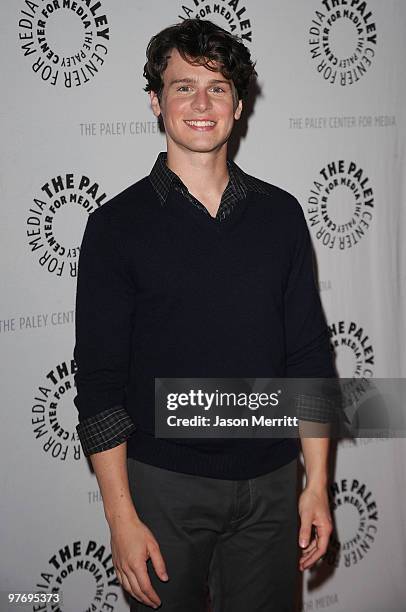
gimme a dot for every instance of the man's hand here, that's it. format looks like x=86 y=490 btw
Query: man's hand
x=314 y=510
x=132 y=544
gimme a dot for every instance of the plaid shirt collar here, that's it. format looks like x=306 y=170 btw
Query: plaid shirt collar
x=163 y=179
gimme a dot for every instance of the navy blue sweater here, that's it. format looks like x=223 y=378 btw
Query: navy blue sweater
x=166 y=291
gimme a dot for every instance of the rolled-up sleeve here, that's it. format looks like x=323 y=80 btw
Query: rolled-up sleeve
x=105 y=304
x=308 y=351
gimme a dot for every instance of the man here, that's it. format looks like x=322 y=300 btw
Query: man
x=199 y=270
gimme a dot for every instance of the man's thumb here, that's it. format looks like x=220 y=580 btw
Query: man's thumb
x=158 y=563
x=304 y=534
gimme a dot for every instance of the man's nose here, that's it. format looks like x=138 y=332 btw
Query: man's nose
x=201 y=100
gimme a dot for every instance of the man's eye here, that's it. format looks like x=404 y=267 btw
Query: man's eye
x=183 y=87
x=217 y=88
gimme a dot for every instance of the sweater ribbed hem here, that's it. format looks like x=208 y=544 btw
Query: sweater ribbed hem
x=246 y=461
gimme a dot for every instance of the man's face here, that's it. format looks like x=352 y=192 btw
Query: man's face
x=198 y=106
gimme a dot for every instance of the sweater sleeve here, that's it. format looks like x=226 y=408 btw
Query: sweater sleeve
x=105 y=297
x=308 y=352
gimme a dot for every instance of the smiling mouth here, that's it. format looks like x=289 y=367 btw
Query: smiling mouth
x=200 y=124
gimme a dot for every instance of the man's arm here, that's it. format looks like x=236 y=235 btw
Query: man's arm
x=314 y=503
x=105 y=305
x=309 y=357
x=110 y=467
x=132 y=543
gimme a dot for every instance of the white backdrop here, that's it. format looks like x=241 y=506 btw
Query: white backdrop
x=76 y=130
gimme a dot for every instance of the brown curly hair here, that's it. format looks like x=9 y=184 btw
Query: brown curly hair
x=199 y=42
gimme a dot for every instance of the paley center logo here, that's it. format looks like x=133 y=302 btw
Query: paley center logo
x=53 y=413
x=229 y=14
x=83 y=573
x=356 y=522
x=353 y=349
x=342 y=40
x=56 y=221
x=65 y=41
x=340 y=204
x=355 y=360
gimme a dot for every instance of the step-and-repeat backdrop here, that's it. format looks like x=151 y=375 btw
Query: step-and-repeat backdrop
x=327 y=124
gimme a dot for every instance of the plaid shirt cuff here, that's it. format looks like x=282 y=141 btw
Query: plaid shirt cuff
x=104 y=430
x=316 y=409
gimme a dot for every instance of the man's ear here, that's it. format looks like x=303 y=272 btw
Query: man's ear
x=238 y=110
x=156 y=107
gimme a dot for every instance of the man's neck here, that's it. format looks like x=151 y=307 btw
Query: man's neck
x=204 y=174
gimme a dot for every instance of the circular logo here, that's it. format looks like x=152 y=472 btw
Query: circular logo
x=84 y=575
x=65 y=41
x=52 y=413
x=353 y=349
x=340 y=205
x=342 y=40
x=231 y=15
x=355 y=361
x=56 y=221
x=356 y=522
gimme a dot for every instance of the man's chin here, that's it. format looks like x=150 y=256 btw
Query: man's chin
x=203 y=147
x=197 y=145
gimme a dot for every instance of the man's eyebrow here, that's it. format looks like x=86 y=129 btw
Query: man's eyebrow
x=190 y=80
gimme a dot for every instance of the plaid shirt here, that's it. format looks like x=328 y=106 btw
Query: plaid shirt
x=163 y=179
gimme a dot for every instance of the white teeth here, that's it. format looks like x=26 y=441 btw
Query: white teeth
x=201 y=123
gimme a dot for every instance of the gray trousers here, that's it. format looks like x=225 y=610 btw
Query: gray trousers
x=234 y=542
